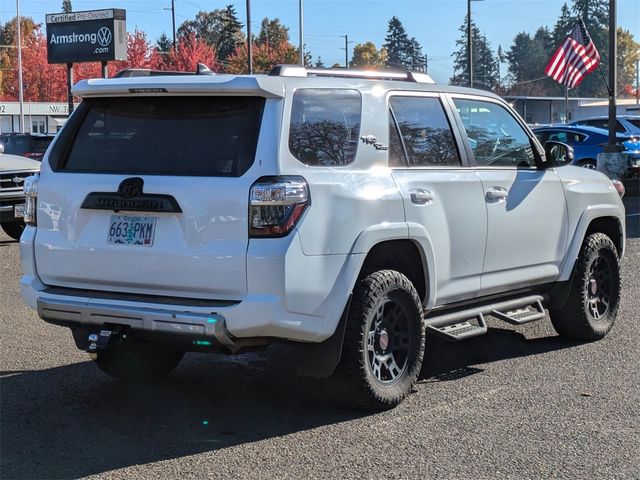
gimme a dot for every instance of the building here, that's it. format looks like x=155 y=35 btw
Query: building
x=545 y=110
x=39 y=117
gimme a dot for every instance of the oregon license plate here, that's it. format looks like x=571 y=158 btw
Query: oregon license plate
x=127 y=230
x=18 y=210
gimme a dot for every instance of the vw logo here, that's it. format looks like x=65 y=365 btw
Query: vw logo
x=130 y=187
x=17 y=180
x=104 y=36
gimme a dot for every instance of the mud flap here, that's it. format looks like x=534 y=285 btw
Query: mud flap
x=321 y=359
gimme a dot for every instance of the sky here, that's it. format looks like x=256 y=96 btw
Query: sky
x=434 y=23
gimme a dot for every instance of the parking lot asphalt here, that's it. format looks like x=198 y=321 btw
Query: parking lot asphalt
x=516 y=403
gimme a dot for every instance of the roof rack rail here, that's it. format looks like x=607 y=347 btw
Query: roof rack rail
x=301 y=72
x=201 y=69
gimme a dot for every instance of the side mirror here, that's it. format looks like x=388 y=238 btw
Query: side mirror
x=558 y=153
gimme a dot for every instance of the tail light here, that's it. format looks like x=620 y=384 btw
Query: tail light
x=31 y=193
x=276 y=204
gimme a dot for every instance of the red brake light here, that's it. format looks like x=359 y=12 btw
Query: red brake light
x=276 y=204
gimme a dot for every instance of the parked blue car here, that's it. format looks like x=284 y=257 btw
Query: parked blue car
x=629 y=124
x=587 y=142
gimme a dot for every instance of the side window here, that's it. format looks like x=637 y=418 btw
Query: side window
x=425 y=133
x=620 y=128
x=495 y=136
x=325 y=126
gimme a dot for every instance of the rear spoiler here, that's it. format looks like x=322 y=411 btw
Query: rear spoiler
x=174 y=83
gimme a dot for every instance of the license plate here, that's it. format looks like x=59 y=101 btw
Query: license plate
x=127 y=230
x=18 y=210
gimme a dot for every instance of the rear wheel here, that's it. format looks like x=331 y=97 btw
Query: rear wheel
x=384 y=342
x=13 y=229
x=592 y=305
x=138 y=362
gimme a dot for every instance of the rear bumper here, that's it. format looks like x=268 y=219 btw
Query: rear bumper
x=93 y=315
x=299 y=300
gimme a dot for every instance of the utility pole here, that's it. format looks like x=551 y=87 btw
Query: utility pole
x=173 y=21
x=346 y=50
x=637 y=81
x=20 y=85
x=249 y=42
x=301 y=15
x=469 y=44
x=611 y=146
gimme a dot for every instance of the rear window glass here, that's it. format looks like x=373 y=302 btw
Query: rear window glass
x=205 y=136
x=325 y=126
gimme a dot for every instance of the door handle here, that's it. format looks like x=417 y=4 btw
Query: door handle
x=497 y=194
x=421 y=197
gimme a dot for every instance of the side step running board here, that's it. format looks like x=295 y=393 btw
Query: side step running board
x=468 y=323
x=519 y=316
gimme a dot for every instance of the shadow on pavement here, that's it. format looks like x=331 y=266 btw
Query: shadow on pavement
x=72 y=421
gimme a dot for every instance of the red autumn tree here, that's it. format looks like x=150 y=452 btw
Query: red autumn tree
x=188 y=52
x=264 y=57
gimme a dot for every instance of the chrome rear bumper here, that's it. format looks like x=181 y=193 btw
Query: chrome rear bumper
x=181 y=324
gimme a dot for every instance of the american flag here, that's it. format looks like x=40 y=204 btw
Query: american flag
x=574 y=59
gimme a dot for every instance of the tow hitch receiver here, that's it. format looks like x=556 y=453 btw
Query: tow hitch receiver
x=99 y=341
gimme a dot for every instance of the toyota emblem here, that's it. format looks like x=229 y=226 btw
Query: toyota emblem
x=130 y=187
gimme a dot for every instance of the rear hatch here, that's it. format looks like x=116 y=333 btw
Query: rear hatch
x=149 y=195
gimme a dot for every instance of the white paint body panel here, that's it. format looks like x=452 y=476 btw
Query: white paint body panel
x=297 y=287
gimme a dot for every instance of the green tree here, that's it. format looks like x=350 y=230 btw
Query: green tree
x=366 y=54
x=219 y=28
x=485 y=64
x=415 y=58
x=66 y=6
x=527 y=58
x=319 y=63
x=397 y=44
x=628 y=54
x=164 y=43
x=272 y=32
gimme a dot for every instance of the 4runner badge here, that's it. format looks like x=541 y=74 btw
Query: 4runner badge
x=371 y=140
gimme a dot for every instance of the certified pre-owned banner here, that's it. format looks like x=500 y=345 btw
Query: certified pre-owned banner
x=92 y=36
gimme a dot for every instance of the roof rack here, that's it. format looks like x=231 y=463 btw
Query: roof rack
x=201 y=69
x=301 y=72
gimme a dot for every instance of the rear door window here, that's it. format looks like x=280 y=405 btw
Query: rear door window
x=325 y=126
x=420 y=134
x=200 y=136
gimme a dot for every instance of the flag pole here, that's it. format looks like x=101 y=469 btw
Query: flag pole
x=611 y=146
x=566 y=104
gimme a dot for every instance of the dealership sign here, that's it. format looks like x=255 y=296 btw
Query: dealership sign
x=91 y=36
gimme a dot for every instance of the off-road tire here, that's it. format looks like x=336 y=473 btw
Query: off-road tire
x=138 y=362
x=13 y=229
x=355 y=379
x=576 y=320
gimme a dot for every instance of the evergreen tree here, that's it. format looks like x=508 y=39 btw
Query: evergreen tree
x=66 y=6
x=272 y=32
x=319 y=63
x=397 y=45
x=219 y=28
x=485 y=64
x=367 y=55
x=415 y=57
x=164 y=43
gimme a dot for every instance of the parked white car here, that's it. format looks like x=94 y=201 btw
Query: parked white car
x=13 y=170
x=346 y=213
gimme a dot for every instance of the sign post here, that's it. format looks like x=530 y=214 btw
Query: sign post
x=89 y=36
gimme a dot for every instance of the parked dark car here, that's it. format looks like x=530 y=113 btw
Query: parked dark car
x=30 y=145
x=588 y=142
x=629 y=124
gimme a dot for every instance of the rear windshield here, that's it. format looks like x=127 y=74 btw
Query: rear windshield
x=204 y=136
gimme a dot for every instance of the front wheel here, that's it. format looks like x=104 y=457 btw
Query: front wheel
x=13 y=229
x=593 y=302
x=384 y=342
x=138 y=362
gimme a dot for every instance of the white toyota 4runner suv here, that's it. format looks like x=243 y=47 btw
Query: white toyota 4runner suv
x=347 y=213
